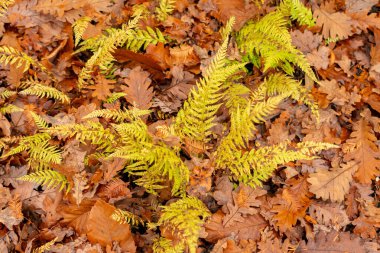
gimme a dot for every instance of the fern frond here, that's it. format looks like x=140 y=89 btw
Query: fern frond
x=163 y=245
x=123 y=217
x=115 y=96
x=165 y=8
x=118 y=115
x=45 y=153
x=40 y=122
x=48 y=178
x=90 y=131
x=297 y=11
x=270 y=39
x=138 y=38
x=4 y=4
x=6 y=94
x=42 y=91
x=186 y=216
x=79 y=27
x=8 y=109
x=195 y=119
x=10 y=55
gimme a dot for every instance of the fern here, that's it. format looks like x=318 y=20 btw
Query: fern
x=6 y=94
x=165 y=8
x=79 y=27
x=4 y=4
x=40 y=122
x=8 y=109
x=123 y=217
x=10 y=55
x=115 y=96
x=42 y=91
x=270 y=39
x=138 y=39
x=48 y=178
x=195 y=119
x=163 y=245
x=297 y=11
x=45 y=247
x=118 y=115
x=186 y=217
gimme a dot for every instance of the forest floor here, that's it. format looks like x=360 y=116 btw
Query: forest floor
x=328 y=204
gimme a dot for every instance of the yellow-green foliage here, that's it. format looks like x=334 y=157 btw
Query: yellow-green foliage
x=128 y=36
x=45 y=247
x=117 y=115
x=184 y=217
x=42 y=91
x=163 y=245
x=164 y=9
x=10 y=55
x=115 y=96
x=40 y=122
x=123 y=217
x=195 y=119
x=6 y=94
x=270 y=39
x=4 y=4
x=10 y=109
x=79 y=27
x=48 y=178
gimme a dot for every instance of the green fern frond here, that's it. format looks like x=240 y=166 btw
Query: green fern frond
x=79 y=27
x=269 y=38
x=8 y=109
x=195 y=119
x=48 y=178
x=165 y=8
x=6 y=94
x=42 y=91
x=297 y=11
x=115 y=96
x=123 y=217
x=4 y=4
x=10 y=55
x=185 y=216
x=40 y=122
x=118 y=115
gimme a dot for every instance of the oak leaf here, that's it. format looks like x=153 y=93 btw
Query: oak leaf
x=335 y=25
x=102 y=88
x=138 y=88
x=361 y=147
x=332 y=184
x=329 y=215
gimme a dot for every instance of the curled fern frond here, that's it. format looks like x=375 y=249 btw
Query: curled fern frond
x=10 y=109
x=185 y=216
x=42 y=91
x=79 y=27
x=48 y=178
x=165 y=8
x=123 y=217
x=4 y=4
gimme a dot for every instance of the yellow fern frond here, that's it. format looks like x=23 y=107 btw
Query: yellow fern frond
x=10 y=55
x=138 y=38
x=10 y=109
x=297 y=11
x=115 y=96
x=42 y=91
x=185 y=216
x=195 y=119
x=118 y=115
x=269 y=38
x=123 y=217
x=6 y=94
x=45 y=247
x=165 y=8
x=4 y=4
x=40 y=122
x=48 y=178
x=79 y=27
x=163 y=245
